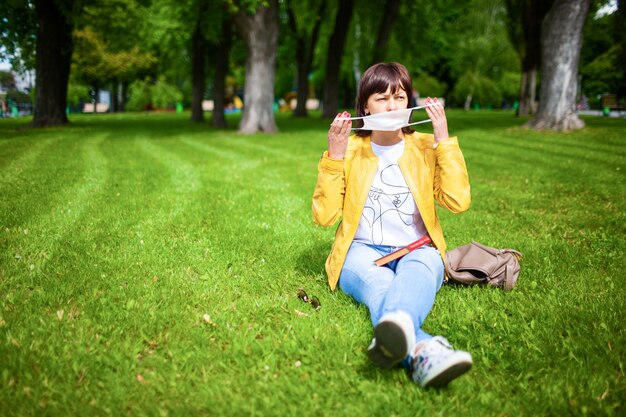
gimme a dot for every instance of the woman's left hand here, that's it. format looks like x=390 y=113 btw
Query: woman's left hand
x=437 y=116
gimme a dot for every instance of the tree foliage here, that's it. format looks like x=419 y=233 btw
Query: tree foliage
x=18 y=33
x=96 y=63
x=472 y=86
x=481 y=59
x=425 y=85
x=603 y=64
x=148 y=95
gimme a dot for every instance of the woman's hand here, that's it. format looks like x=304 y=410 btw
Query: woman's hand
x=437 y=116
x=338 y=136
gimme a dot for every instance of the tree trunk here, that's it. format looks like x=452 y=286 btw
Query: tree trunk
x=304 y=55
x=524 y=27
x=52 y=63
x=527 y=95
x=114 y=107
x=532 y=18
x=620 y=23
x=96 y=98
x=197 y=57
x=561 y=40
x=260 y=32
x=335 y=49
x=123 y=95
x=468 y=102
x=303 y=80
x=389 y=16
x=221 y=69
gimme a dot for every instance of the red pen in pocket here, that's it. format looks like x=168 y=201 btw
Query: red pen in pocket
x=403 y=251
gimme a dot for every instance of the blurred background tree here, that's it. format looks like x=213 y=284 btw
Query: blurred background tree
x=37 y=35
x=561 y=42
x=95 y=64
x=108 y=52
x=257 y=56
x=603 y=55
x=305 y=31
x=524 y=21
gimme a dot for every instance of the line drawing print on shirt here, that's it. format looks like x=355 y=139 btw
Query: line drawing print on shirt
x=387 y=199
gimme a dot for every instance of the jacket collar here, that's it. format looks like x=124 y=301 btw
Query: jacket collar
x=368 y=152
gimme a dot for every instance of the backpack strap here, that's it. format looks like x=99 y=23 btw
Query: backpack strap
x=508 y=283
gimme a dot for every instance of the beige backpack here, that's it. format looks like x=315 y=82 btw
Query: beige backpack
x=475 y=263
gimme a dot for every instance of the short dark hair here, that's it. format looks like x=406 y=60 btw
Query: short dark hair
x=375 y=80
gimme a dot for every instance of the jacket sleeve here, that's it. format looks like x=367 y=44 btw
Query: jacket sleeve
x=329 y=191
x=451 y=182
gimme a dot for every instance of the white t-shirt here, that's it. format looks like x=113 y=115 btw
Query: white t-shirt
x=390 y=216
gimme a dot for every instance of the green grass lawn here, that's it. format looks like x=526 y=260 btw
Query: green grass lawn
x=149 y=266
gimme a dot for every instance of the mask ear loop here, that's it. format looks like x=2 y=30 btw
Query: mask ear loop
x=420 y=122
x=353 y=118
x=419 y=108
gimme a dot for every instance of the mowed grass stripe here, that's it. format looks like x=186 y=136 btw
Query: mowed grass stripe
x=222 y=155
x=114 y=297
x=148 y=202
x=16 y=138
x=520 y=154
x=261 y=208
x=285 y=148
x=528 y=169
x=186 y=216
x=41 y=236
x=260 y=194
x=600 y=146
x=184 y=181
x=24 y=177
x=273 y=202
x=42 y=291
x=101 y=235
x=18 y=155
x=276 y=191
x=557 y=155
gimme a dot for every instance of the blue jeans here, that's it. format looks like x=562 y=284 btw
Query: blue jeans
x=408 y=284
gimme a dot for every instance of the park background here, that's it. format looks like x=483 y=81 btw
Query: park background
x=150 y=256
x=113 y=55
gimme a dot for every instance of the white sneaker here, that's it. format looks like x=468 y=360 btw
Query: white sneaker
x=435 y=363
x=394 y=339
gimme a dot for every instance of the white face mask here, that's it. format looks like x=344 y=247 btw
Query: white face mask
x=388 y=121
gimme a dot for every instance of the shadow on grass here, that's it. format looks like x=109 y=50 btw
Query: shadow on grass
x=371 y=372
x=311 y=261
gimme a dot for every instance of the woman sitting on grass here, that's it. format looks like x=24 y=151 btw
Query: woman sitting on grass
x=384 y=184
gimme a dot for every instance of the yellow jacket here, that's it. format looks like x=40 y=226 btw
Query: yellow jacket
x=343 y=186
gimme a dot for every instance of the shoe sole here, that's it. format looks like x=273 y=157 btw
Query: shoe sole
x=391 y=345
x=448 y=374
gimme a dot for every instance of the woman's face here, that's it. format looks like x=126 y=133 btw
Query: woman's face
x=387 y=101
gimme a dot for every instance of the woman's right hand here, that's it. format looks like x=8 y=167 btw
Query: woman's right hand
x=338 y=136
